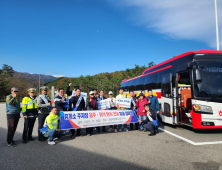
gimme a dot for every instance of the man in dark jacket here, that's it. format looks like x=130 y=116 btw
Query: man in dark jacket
x=60 y=101
x=72 y=104
x=91 y=104
x=149 y=122
x=133 y=107
x=153 y=102
x=99 y=98
x=68 y=92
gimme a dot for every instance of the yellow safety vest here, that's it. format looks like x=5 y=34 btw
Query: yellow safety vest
x=52 y=121
x=29 y=103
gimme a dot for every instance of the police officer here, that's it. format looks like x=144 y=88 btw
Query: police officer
x=44 y=104
x=30 y=112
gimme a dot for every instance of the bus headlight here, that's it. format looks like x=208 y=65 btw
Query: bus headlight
x=202 y=108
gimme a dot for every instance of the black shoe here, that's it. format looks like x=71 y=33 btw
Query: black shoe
x=24 y=141
x=157 y=131
x=73 y=136
x=31 y=139
x=152 y=134
x=11 y=144
x=79 y=135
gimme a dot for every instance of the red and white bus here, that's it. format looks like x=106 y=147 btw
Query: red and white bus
x=188 y=87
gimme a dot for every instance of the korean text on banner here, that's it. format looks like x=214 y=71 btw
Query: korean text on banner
x=123 y=102
x=104 y=104
x=93 y=118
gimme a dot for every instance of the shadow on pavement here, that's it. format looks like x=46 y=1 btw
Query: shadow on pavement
x=40 y=155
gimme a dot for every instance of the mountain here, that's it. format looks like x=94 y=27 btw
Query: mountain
x=44 y=78
x=103 y=81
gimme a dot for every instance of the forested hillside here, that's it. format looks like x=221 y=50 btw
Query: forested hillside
x=103 y=81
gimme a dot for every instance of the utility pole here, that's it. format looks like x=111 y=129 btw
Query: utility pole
x=217 y=33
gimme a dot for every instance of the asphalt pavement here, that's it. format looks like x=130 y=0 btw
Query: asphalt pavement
x=118 y=151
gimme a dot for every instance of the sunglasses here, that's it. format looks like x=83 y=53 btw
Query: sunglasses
x=16 y=91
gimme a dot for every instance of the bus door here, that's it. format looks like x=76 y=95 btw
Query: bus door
x=167 y=99
x=184 y=96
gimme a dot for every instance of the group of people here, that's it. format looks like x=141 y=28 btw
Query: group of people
x=146 y=108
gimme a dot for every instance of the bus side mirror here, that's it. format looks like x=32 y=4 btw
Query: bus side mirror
x=198 y=75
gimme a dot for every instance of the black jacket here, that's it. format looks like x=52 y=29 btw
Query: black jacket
x=153 y=117
x=73 y=102
x=59 y=104
x=132 y=106
x=103 y=97
x=68 y=92
x=89 y=105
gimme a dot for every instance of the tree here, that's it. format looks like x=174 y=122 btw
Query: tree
x=5 y=73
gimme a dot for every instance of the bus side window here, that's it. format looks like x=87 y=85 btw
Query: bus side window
x=166 y=85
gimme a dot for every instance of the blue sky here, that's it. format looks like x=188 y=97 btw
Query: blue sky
x=76 y=37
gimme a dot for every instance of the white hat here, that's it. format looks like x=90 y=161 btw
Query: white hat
x=92 y=92
x=110 y=92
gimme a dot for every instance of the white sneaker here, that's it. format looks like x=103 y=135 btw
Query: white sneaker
x=110 y=130
x=126 y=130
x=120 y=130
x=51 y=142
x=115 y=130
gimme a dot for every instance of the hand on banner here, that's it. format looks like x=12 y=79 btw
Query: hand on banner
x=25 y=117
x=70 y=84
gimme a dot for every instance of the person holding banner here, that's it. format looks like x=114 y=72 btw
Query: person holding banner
x=121 y=95
x=78 y=104
x=141 y=110
x=30 y=112
x=91 y=104
x=44 y=105
x=112 y=107
x=100 y=97
x=51 y=129
x=151 y=122
x=133 y=107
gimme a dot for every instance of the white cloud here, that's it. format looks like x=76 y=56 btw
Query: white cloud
x=178 y=19
x=57 y=76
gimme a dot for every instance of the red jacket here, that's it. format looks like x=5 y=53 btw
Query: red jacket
x=140 y=104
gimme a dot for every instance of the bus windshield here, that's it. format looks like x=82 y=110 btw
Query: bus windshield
x=211 y=85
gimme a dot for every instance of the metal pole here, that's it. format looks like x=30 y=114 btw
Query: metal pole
x=217 y=33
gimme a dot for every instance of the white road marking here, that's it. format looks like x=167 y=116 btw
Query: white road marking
x=189 y=141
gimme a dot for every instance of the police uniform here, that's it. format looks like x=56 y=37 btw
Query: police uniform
x=29 y=109
x=43 y=110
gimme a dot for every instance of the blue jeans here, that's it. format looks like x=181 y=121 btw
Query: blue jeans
x=52 y=133
x=120 y=126
x=141 y=118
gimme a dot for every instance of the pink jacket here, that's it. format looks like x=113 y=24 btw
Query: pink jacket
x=140 y=104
